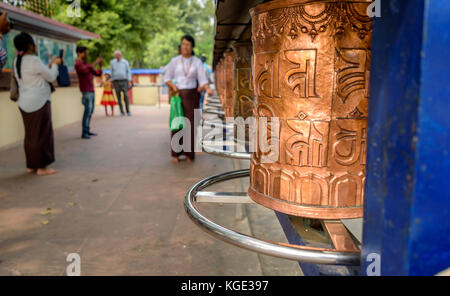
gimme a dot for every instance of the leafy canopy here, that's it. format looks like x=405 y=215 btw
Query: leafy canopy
x=147 y=32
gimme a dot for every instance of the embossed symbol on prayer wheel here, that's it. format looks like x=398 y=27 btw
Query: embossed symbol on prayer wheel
x=311 y=70
x=229 y=84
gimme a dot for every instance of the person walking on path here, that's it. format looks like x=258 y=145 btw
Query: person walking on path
x=108 y=96
x=188 y=72
x=33 y=78
x=121 y=79
x=85 y=72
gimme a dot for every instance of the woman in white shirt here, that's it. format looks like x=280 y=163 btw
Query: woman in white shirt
x=183 y=75
x=33 y=78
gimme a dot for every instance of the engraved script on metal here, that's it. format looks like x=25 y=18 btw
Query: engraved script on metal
x=311 y=68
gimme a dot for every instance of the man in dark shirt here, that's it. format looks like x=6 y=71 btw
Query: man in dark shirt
x=85 y=74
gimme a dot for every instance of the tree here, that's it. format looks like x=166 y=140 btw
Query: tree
x=194 y=17
x=146 y=31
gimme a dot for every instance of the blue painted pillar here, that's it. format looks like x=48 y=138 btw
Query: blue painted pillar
x=407 y=203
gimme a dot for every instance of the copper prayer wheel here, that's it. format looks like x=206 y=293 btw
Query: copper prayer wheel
x=311 y=68
x=222 y=82
x=219 y=81
x=216 y=79
x=244 y=102
x=228 y=83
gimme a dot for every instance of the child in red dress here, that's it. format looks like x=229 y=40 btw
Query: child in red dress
x=108 y=96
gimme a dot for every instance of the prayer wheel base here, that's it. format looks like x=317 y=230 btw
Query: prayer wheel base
x=313 y=212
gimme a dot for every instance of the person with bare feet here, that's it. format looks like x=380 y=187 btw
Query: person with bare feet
x=33 y=78
x=185 y=75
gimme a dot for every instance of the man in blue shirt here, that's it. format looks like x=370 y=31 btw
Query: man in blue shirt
x=121 y=79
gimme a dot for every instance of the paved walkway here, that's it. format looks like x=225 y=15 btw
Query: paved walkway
x=117 y=202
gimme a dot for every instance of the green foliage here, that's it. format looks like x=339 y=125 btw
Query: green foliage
x=146 y=31
x=161 y=49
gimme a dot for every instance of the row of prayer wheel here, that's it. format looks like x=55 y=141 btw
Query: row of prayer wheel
x=307 y=65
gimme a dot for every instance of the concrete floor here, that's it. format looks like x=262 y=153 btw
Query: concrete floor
x=118 y=202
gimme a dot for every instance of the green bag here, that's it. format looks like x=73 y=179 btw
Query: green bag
x=176 y=121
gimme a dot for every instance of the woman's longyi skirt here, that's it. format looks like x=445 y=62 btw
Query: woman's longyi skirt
x=190 y=101
x=39 y=143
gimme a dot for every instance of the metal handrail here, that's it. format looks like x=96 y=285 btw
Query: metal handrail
x=276 y=249
x=220 y=151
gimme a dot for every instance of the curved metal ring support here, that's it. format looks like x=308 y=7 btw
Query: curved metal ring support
x=225 y=153
x=281 y=250
x=214 y=105
x=218 y=124
x=220 y=151
x=214 y=111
